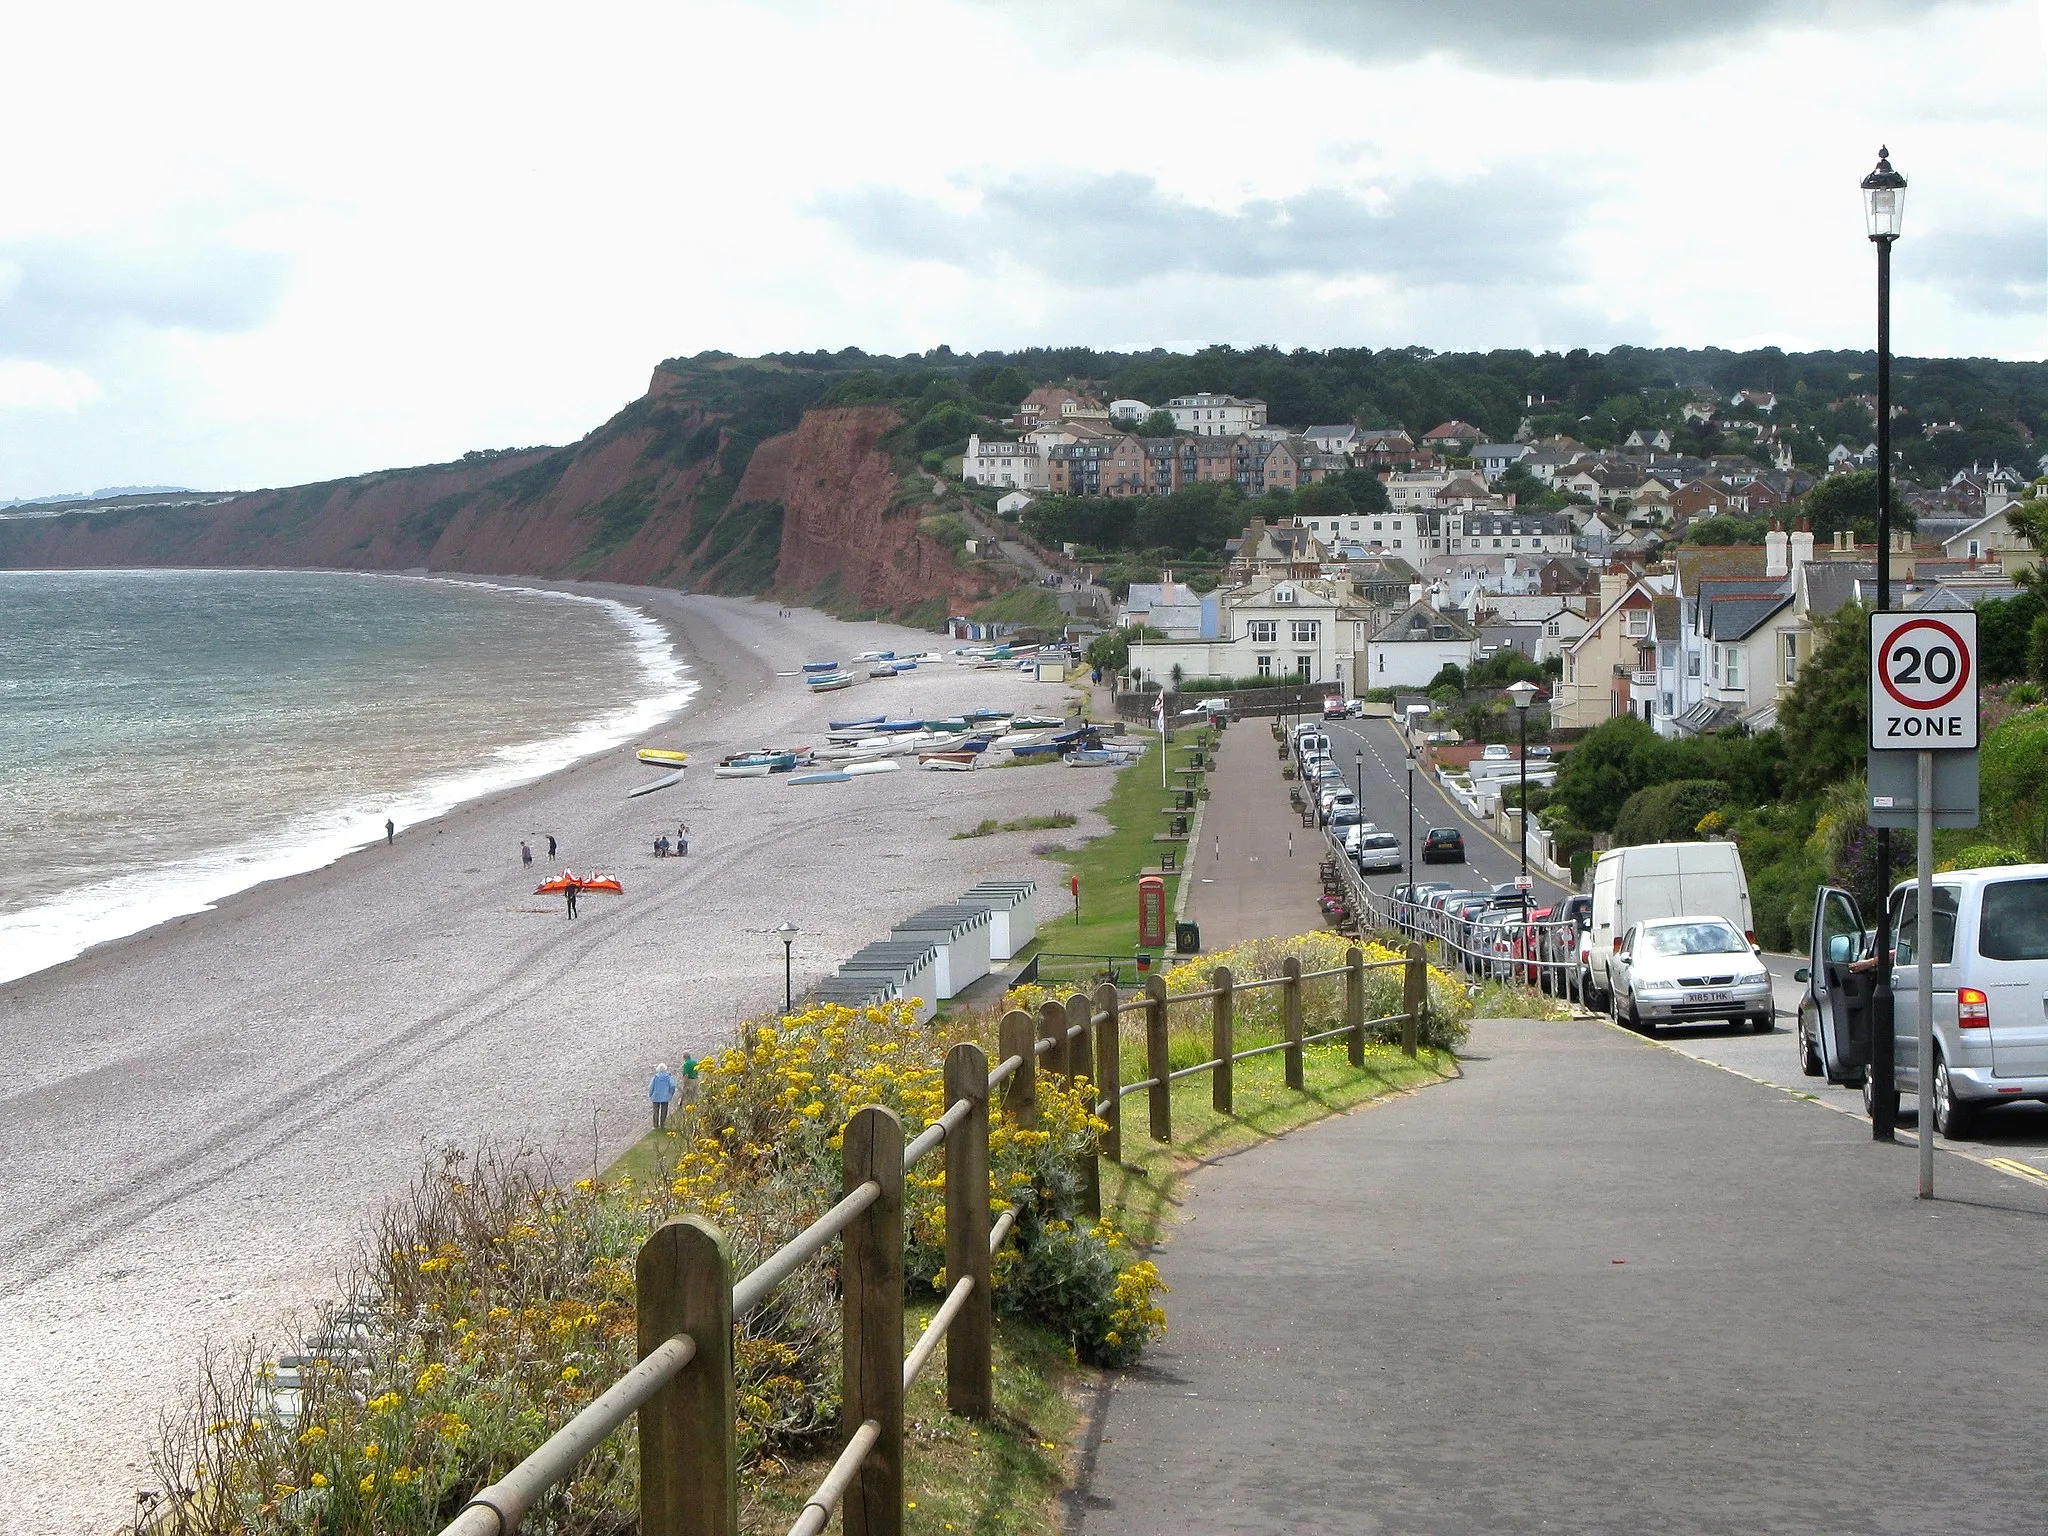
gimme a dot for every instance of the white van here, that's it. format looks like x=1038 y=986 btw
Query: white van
x=1659 y=880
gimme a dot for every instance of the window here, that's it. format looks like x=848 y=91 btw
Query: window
x=1636 y=623
x=1667 y=704
x=1263 y=631
x=1283 y=594
x=1906 y=924
x=1734 y=667
x=1305 y=666
x=1791 y=658
x=1717 y=664
x=1397 y=543
x=1305 y=631
x=1550 y=629
x=1692 y=664
x=1265 y=666
x=2014 y=925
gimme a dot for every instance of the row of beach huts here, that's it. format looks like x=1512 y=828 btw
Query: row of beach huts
x=940 y=952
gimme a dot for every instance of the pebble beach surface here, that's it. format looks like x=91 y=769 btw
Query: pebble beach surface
x=200 y=1120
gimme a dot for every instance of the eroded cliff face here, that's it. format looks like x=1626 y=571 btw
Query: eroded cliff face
x=672 y=491
x=850 y=527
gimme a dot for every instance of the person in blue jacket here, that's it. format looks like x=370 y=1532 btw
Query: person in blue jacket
x=659 y=1092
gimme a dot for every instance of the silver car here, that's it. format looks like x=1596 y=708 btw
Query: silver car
x=1377 y=853
x=1681 y=970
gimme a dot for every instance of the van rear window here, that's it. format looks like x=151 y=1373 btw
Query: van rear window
x=2014 y=925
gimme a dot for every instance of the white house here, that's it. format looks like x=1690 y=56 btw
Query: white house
x=1509 y=531
x=1128 y=412
x=1409 y=489
x=1402 y=531
x=1993 y=538
x=1173 y=608
x=1021 y=466
x=1015 y=502
x=1496 y=459
x=1409 y=649
x=1208 y=415
x=1342 y=439
x=1288 y=630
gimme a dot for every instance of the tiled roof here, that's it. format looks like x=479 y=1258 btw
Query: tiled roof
x=1695 y=561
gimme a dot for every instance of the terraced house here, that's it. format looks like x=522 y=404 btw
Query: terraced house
x=1284 y=628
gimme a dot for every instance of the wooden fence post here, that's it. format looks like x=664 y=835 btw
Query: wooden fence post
x=871 y=1324
x=1052 y=1025
x=1414 y=997
x=689 y=1463
x=1354 y=1002
x=1081 y=1059
x=1109 y=1070
x=1290 y=1017
x=1156 y=1063
x=1015 y=1037
x=970 y=1359
x=1222 y=1040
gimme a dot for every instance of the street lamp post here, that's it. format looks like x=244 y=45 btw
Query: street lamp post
x=1359 y=757
x=787 y=933
x=1411 y=826
x=1884 y=209
x=1522 y=695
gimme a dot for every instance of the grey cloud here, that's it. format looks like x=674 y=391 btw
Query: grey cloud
x=1095 y=230
x=2000 y=271
x=59 y=298
x=1561 y=37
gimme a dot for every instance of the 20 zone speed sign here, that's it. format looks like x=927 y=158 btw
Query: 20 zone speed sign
x=1923 y=682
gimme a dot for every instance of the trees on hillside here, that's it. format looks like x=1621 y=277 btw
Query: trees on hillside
x=1827 y=718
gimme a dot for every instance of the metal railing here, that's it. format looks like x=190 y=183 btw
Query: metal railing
x=683 y=1388
x=1541 y=953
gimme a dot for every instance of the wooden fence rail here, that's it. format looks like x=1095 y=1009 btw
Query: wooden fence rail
x=683 y=1388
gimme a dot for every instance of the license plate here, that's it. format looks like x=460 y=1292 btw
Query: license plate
x=1710 y=997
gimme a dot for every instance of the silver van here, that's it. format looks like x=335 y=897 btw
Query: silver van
x=1990 y=941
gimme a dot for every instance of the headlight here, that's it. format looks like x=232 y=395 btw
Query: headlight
x=1755 y=979
x=1649 y=987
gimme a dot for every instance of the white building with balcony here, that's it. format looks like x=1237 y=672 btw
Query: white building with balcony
x=1289 y=630
x=1216 y=415
x=1014 y=466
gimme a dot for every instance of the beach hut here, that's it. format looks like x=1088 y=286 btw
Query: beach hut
x=1012 y=908
x=961 y=935
x=915 y=964
x=858 y=989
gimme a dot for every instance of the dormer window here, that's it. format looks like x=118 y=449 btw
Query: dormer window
x=1283 y=594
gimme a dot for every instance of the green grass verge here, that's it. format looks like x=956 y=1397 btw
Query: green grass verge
x=1110 y=865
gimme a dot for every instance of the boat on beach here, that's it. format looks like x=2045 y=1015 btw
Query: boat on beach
x=827 y=776
x=663 y=757
x=948 y=762
x=663 y=782
x=1035 y=722
x=1036 y=749
x=882 y=669
x=821 y=666
x=830 y=682
x=860 y=724
x=880 y=765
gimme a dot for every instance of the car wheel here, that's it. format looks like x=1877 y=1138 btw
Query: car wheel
x=1637 y=1022
x=1870 y=1097
x=1952 y=1117
x=1809 y=1052
x=1764 y=1023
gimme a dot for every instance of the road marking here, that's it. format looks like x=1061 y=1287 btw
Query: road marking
x=2015 y=1166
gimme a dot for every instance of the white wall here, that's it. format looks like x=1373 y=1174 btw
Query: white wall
x=1412 y=663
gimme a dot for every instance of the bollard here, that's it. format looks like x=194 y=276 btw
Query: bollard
x=1290 y=1014
x=970 y=1343
x=1109 y=1070
x=871 y=1322
x=1354 y=1002
x=1222 y=1040
x=1014 y=1037
x=689 y=1459
x=1156 y=1062
x=1414 y=998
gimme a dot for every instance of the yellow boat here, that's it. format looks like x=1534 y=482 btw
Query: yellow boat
x=663 y=757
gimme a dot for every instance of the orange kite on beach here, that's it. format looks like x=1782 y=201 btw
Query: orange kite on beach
x=554 y=885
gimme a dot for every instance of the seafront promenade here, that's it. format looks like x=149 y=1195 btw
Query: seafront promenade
x=1707 y=1305
x=1246 y=883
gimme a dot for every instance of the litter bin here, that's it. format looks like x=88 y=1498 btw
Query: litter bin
x=1187 y=939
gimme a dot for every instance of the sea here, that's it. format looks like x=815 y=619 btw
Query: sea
x=168 y=738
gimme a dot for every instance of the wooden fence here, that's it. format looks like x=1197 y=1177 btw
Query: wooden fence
x=683 y=1386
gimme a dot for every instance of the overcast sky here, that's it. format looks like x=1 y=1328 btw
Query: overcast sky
x=256 y=245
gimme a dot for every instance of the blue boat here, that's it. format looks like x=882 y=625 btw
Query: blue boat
x=982 y=715
x=847 y=725
x=897 y=727
x=821 y=666
x=822 y=778
x=1036 y=749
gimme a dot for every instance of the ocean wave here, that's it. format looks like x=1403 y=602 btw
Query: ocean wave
x=62 y=928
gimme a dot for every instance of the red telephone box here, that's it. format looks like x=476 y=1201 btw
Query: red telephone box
x=1152 y=912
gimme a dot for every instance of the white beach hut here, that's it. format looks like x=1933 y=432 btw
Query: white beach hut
x=914 y=964
x=1012 y=908
x=961 y=934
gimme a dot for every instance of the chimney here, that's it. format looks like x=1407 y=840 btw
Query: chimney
x=1775 y=544
x=1414 y=593
x=1802 y=544
x=1612 y=585
x=1593 y=609
x=1902 y=541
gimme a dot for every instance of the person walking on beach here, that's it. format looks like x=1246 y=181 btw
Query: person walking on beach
x=689 y=1083
x=569 y=899
x=551 y=847
x=525 y=853
x=390 y=831
x=682 y=846
x=659 y=1092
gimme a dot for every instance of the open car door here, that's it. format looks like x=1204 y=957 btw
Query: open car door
x=1840 y=996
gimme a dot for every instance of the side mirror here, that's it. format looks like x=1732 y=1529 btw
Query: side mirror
x=1802 y=974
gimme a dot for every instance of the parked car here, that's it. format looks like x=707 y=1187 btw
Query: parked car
x=1443 y=845
x=1333 y=707
x=1539 y=751
x=1215 y=709
x=1990 y=953
x=1343 y=816
x=1681 y=970
x=1631 y=885
x=1495 y=752
x=1378 y=853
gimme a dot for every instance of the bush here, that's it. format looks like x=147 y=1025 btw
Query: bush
x=1668 y=813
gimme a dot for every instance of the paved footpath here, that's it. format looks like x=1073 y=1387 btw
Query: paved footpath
x=1412 y=1318
x=1247 y=885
